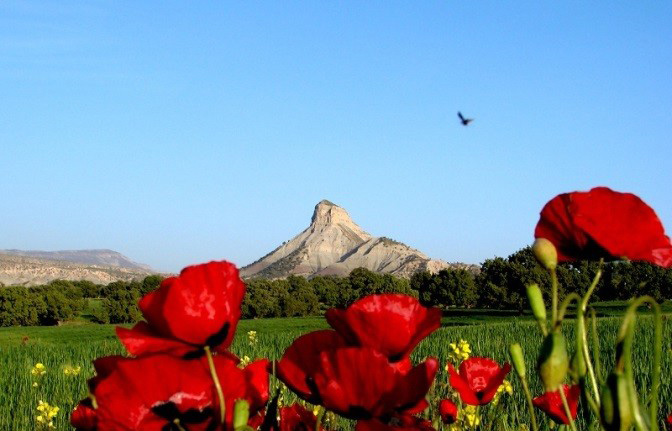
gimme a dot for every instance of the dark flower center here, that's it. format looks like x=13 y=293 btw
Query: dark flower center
x=178 y=421
x=213 y=341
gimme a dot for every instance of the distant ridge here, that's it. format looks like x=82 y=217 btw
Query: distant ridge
x=101 y=257
x=31 y=267
x=334 y=244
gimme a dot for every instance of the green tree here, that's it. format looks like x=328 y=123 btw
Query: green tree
x=327 y=290
x=88 y=288
x=121 y=305
x=58 y=307
x=305 y=301
x=150 y=283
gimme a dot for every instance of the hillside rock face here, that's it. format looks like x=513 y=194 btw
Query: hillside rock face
x=87 y=257
x=333 y=244
x=21 y=268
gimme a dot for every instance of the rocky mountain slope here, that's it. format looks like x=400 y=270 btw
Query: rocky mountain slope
x=333 y=244
x=87 y=257
x=99 y=266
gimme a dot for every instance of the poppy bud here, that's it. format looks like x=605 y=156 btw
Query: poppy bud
x=537 y=303
x=448 y=411
x=553 y=361
x=241 y=414
x=545 y=252
x=615 y=410
x=518 y=360
x=577 y=366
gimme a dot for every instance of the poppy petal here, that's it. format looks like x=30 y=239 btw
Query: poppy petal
x=551 y=403
x=142 y=339
x=83 y=417
x=603 y=223
x=393 y=324
x=301 y=361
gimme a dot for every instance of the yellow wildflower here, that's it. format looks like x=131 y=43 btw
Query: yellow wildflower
x=244 y=362
x=504 y=387
x=459 y=351
x=471 y=418
x=46 y=415
x=252 y=337
x=39 y=370
x=72 y=371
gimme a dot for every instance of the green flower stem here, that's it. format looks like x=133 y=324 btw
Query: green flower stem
x=624 y=361
x=530 y=405
x=596 y=344
x=218 y=386
x=566 y=406
x=582 y=334
x=565 y=303
x=594 y=406
x=593 y=285
x=176 y=422
x=554 y=298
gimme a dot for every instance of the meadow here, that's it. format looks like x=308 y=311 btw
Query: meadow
x=76 y=344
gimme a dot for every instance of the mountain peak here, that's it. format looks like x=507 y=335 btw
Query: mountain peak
x=328 y=213
x=334 y=244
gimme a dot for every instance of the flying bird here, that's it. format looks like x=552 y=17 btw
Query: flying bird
x=464 y=121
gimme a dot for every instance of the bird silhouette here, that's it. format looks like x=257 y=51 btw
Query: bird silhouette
x=464 y=121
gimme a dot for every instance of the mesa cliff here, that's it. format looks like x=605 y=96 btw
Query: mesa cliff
x=334 y=244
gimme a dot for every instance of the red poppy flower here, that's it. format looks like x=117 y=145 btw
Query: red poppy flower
x=478 y=379
x=154 y=393
x=250 y=384
x=301 y=361
x=551 y=403
x=84 y=417
x=669 y=421
x=602 y=223
x=360 y=383
x=200 y=307
x=297 y=418
x=392 y=324
x=448 y=411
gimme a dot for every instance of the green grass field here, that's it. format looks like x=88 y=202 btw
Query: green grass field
x=76 y=344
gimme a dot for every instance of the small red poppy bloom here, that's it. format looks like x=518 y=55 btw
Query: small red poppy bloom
x=551 y=403
x=391 y=323
x=154 y=393
x=448 y=411
x=200 y=307
x=301 y=361
x=84 y=417
x=297 y=418
x=360 y=383
x=602 y=223
x=478 y=379
x=669 y=421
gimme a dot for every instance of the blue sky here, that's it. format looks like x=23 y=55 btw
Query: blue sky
x=181 y=132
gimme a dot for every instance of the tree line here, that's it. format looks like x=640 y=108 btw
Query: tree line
x=499 y=284
x=62 y=300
